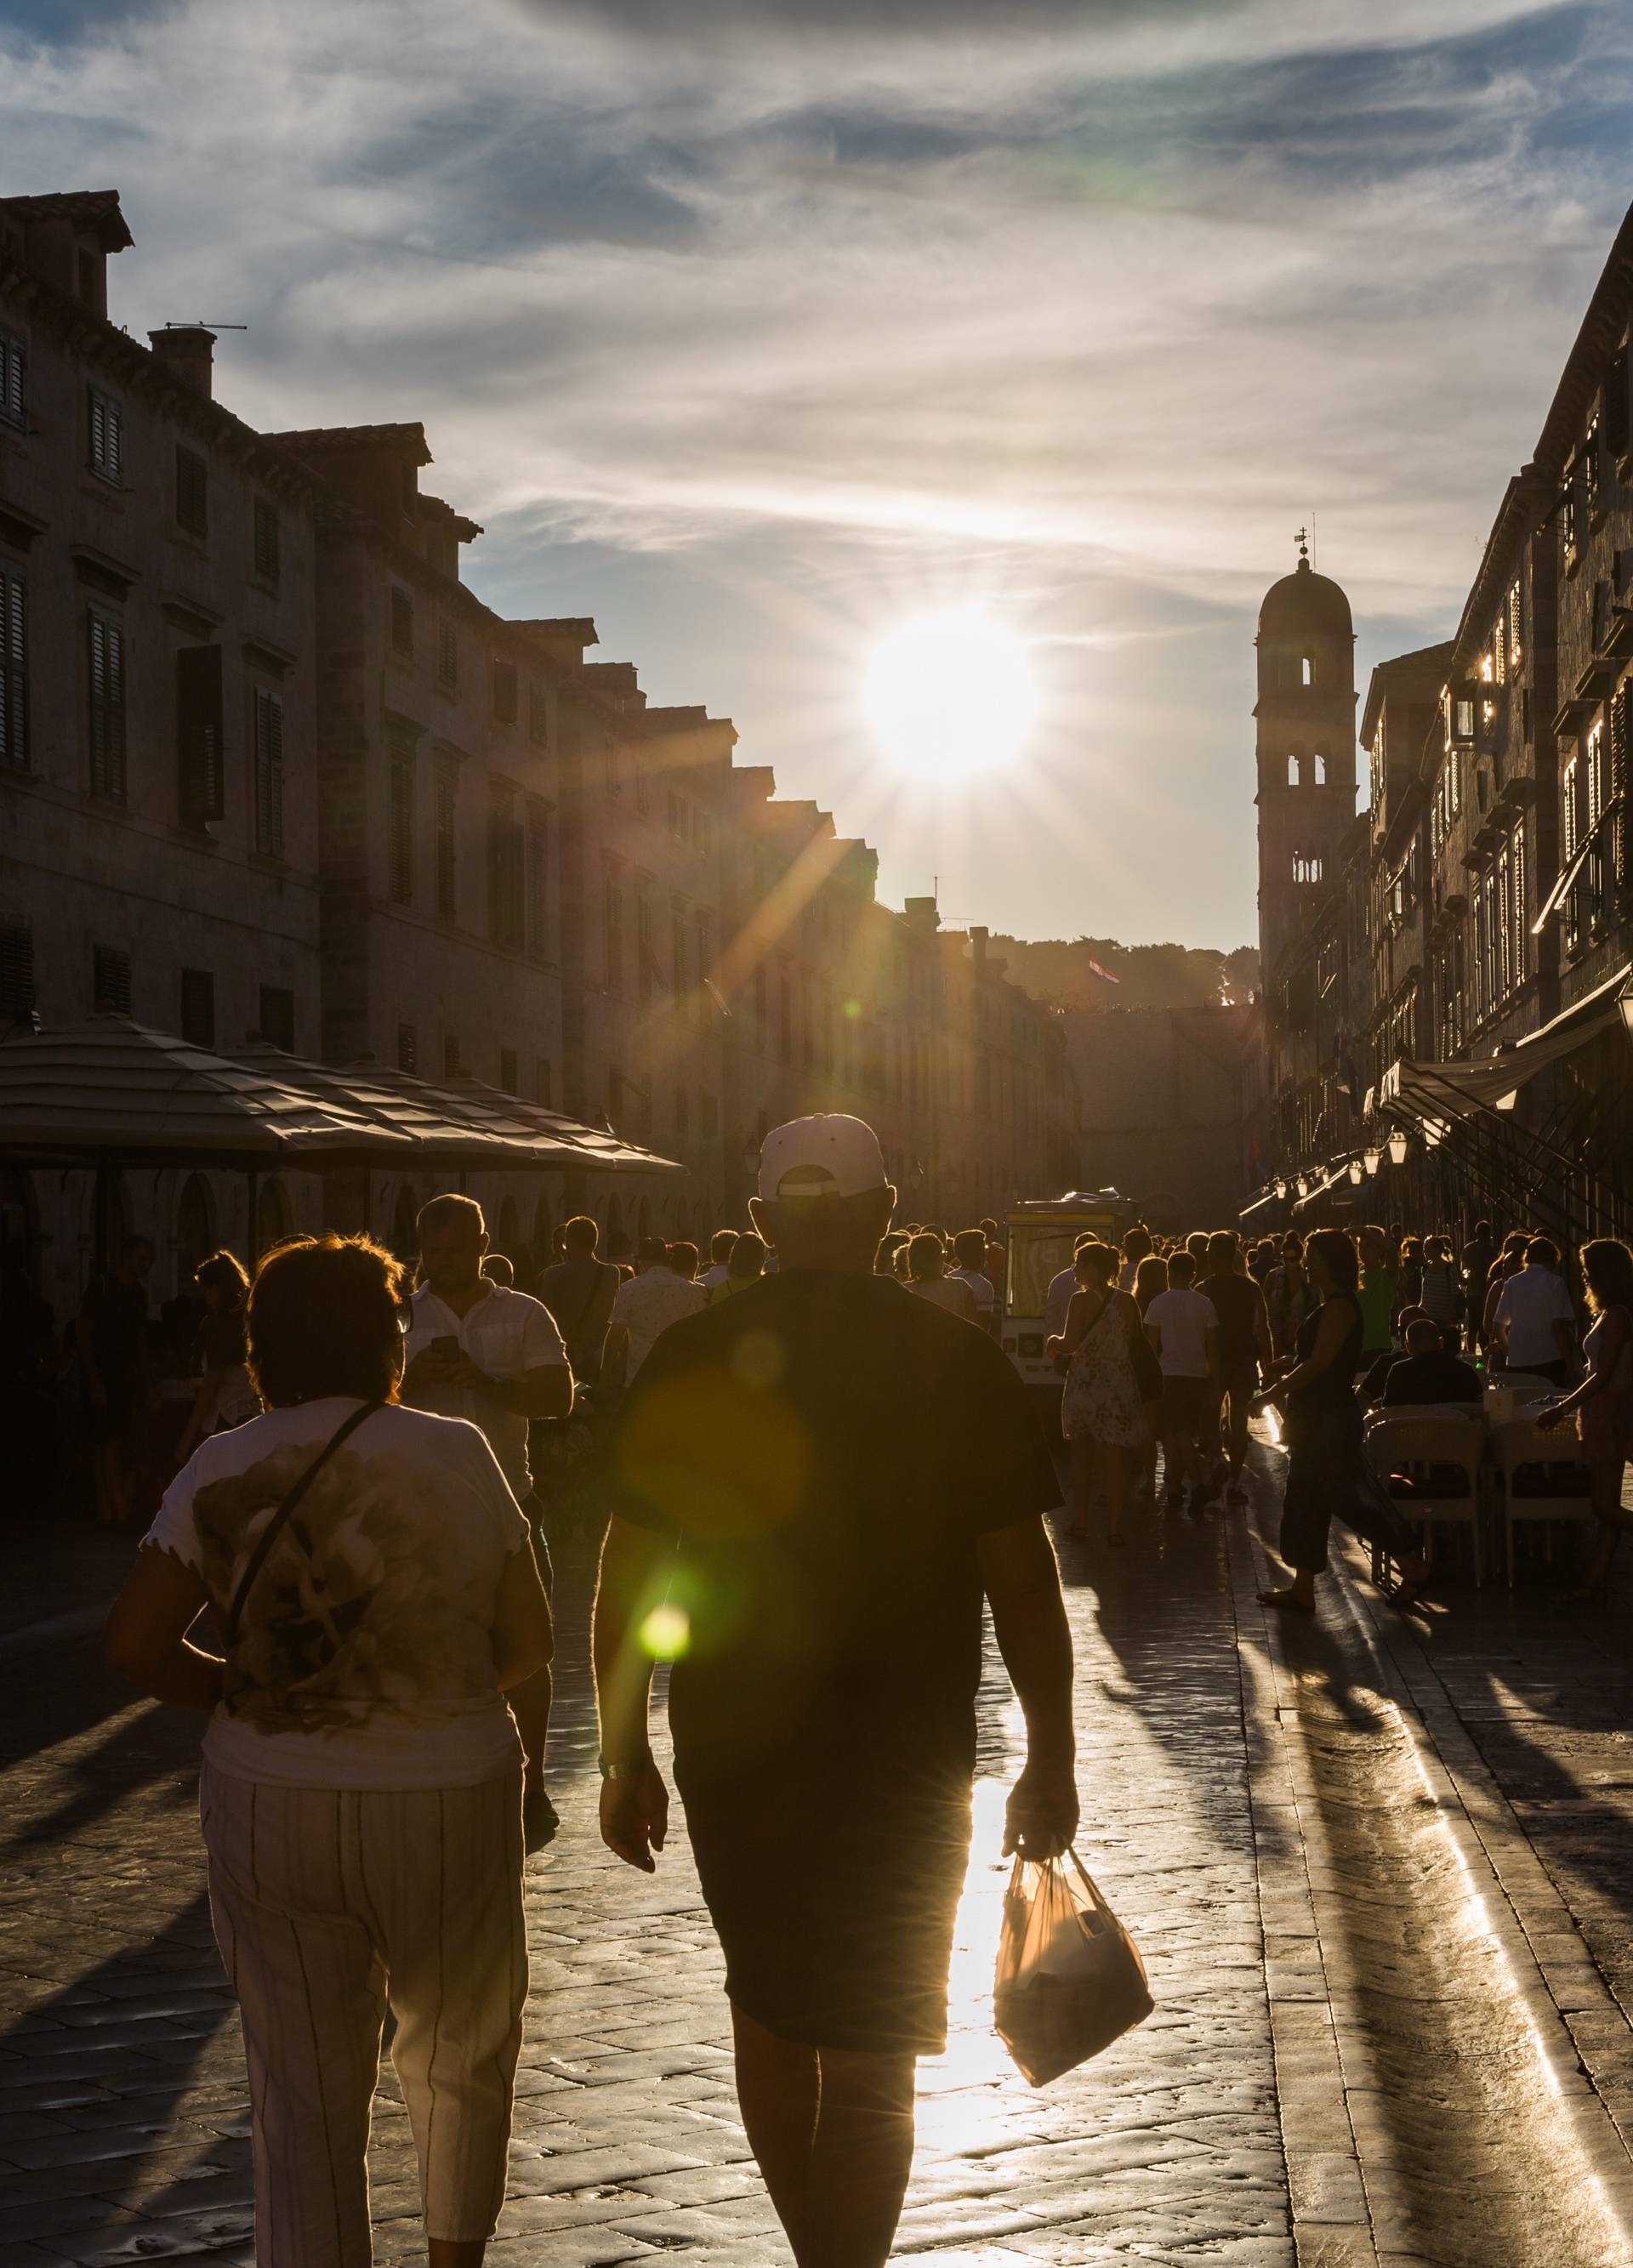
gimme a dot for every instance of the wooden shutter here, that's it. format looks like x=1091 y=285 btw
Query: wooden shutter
x=13 y=670
x=268 y=770
x=199 y=1007
x=200 y=787
x=1621 y=881
x=110 y=978
x=17 y=973
x=106 y=662
x=192 y=490
x=13 y=379
x=266 y=541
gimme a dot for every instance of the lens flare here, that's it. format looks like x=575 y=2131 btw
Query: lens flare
x=666 y=1633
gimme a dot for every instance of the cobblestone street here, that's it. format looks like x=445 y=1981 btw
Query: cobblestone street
x=1378 y=1871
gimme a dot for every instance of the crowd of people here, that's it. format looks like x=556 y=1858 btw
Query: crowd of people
x=815 y=1463
x=1176 y=1343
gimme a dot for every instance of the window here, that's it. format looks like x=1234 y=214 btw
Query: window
x=612 y=933
x=17 y=973
x=702 y=925
x=13 y=379
x=1516 y=885
x=400 y=821
x=267 y=770
x=445 y=816
x=1571 y=808
x=643 y=788
x=408 y=1049
x=609 y=779
x=1516 y=651
x=508 y=1071
x=1568 y=516
x=105 y=424
x=1320 y=769
x=1597 y=784
x=199 y=1007
x=703 y=836
x=13 y=669
x=110 y=979
x=106 y=689
x=266 y=548
x=645 y=961
x=401 y=622
x=201 y=783
x=1591 y=486
x=1306 y=867
x=447 y=656
x=537 y=882
x=506 y=862
x=192 y=491
x=278 y=1017
x=1306 y=669
x=538 y=712
x=450 y=1054
x=680 y=817
x=504 y=692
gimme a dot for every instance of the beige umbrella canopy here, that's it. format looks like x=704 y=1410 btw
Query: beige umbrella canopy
x=111 y=1089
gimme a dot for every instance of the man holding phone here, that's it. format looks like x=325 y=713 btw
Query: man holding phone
x=495 y=1359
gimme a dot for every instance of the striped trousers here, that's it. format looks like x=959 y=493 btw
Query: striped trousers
x=329 y=1905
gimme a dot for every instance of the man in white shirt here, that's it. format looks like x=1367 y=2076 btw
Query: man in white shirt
x=1182 y=1328
x=1535 y=1325
x=970 y=1254
x=652 y=1299
x=719 y=1254
x=1058 y=1298
x=495 y=1358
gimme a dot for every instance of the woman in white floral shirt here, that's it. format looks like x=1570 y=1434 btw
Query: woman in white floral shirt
x=361 y=1789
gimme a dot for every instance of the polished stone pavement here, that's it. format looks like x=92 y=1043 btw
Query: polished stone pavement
x=1282 y=1818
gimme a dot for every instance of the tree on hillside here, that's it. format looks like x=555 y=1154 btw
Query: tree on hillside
x=1147 y=976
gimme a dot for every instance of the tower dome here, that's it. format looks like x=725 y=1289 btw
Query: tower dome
x=1305 y=600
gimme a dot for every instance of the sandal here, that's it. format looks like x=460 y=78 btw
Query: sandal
x=1289 y=1602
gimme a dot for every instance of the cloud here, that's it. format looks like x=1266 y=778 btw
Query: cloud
x=1090 y=305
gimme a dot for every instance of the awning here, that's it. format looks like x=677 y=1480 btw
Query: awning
x=113 y=1089
x=1568 y=874
x=1428 y=1091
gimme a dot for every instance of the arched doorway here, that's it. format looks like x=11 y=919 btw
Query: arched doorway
x=195 y=1229
x=404 y=1226
x=271 y=1216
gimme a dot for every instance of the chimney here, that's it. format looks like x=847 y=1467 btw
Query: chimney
x=189 y=349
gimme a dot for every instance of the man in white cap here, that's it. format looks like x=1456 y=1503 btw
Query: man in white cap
x=818 y=1480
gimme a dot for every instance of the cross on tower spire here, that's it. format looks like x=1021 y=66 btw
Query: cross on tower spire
x=1304 y=546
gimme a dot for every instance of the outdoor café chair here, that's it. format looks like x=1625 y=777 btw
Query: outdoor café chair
x=1429 y=1461
x=1537 y=1476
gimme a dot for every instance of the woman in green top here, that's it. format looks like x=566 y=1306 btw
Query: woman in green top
x=1378 y=1296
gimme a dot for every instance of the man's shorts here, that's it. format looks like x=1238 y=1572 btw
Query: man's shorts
x=1186 y=1404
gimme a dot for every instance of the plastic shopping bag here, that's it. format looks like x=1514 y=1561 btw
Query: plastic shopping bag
x=1069 y=1978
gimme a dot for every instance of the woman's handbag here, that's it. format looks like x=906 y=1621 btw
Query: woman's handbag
x=1069 y=1978
x=279 y=1521
x=1147 y=1369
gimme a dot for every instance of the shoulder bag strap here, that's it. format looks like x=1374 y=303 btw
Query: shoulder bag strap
x=279 y=1521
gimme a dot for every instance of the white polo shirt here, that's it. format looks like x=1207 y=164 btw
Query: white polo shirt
x=506 y=1333
x=1531 y=1301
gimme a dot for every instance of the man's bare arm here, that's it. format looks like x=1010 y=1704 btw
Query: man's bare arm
x=635 y=1571
x=1023 y=1586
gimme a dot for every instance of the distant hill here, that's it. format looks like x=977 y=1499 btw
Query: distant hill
x=1148 y=975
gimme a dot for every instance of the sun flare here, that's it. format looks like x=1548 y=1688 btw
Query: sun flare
x=950 y=694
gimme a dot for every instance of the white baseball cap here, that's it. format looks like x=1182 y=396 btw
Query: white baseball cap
x=829 y=1156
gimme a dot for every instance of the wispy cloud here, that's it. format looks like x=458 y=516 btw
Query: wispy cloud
x=791 y=312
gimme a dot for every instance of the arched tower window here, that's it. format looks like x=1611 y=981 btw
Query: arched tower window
x=1320 y=769
x=1294 y=771
x=1306 y=866
x=1306 y=669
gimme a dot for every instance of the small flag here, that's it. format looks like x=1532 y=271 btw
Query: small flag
x=1104 y=974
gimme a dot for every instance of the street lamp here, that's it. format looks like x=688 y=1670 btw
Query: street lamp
x=1280 y=1192
x=1624 y=1001
x=1303 y=1185
x=1356 y=1171
x=1398 y=1147
x=1372 y=1158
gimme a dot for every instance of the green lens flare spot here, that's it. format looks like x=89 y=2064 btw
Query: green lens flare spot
x=852 y=1009
x=666 y=1633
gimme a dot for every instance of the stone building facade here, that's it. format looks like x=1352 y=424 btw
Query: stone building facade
x=271 y=771
x=1453 y=1010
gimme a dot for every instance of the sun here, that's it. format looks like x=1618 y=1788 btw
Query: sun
x=950 y=694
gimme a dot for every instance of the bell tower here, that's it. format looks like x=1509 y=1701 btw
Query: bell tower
x=1305 y=714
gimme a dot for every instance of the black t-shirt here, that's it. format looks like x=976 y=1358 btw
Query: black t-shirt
x=1433 y=1377
x=827 y=1452
x=1237 y=1301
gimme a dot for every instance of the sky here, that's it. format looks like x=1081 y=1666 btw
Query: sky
x=757 y=327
